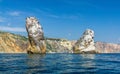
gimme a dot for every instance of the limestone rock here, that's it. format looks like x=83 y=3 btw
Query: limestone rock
x=86 y=43
x=35 y=35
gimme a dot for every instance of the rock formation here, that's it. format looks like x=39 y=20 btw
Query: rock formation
x=86 y=43
x=35 y=35
x=36 y=43
x=12 y=43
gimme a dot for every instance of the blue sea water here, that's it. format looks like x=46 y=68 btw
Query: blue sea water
x=60 y=64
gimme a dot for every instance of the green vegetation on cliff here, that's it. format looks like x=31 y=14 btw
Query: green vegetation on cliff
x=16 y=36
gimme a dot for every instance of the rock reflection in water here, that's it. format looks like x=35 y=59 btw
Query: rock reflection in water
x=88 y=60
x=35 y=63
x=61 y=63
x=88 y=56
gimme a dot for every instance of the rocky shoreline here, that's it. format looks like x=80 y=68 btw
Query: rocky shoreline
x=12 y=43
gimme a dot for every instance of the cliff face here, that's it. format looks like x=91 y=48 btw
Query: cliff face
x=11 y=43
x=107 y=47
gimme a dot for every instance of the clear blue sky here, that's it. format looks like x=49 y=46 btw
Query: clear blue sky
x=64 y=18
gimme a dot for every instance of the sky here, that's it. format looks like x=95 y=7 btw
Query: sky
x=64 y=18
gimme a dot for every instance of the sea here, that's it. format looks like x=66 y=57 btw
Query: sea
x=59 y=63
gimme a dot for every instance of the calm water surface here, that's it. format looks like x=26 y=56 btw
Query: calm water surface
x=60 y=64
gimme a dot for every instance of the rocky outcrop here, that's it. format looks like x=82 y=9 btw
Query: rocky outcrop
x=107 y=47
x=35 y=35
x=86 y=43
x=11 y=43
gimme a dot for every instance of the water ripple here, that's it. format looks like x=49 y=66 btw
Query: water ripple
x=60 y=64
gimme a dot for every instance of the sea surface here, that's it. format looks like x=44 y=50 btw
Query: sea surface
x=60 y=64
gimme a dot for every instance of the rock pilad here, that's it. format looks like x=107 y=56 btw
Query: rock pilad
x=86 y=43
x=35 y=35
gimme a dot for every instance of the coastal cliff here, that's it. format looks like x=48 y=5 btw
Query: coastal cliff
x=103 y=47
x=12 y=43
x=37 y=43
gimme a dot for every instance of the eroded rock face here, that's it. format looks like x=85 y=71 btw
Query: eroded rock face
x=35 y=35
x=86 y=43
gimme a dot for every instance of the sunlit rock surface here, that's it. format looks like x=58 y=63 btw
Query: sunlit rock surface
x=12 y=43
x=35 y=35
x=86 y=43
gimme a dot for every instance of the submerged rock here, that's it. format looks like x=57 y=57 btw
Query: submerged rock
x=86 y=43
x=35 y=35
